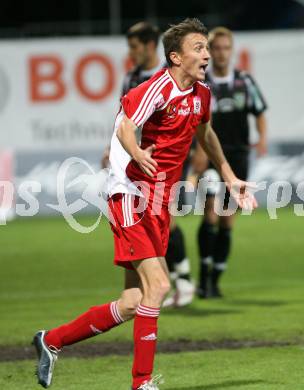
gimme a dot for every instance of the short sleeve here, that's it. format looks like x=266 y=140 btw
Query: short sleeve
x=141 y=102
x=256 y=103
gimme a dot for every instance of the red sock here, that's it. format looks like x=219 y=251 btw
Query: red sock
x=97 y=319
x=145 y=336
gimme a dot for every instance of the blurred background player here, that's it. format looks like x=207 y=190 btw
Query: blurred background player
x=143 y=40
x=235 y=95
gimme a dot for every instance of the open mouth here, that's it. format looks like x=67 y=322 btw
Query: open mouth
x=204 y=67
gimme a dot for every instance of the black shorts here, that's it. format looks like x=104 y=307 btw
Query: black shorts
x=239 y=164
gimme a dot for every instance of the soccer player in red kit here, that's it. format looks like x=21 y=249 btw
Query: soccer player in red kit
x=152 y=136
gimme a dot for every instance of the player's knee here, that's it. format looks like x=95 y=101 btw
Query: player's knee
x=129 y=302
x=165 y=287
x=158 y=289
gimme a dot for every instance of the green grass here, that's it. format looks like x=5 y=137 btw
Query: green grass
x=49 y=274
x=253 y=369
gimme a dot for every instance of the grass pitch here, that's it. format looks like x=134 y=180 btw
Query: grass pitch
x=245 y=369
x=50 y=274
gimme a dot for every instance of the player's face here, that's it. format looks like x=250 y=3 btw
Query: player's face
x=138 y=51
x=221 y=52
x=194 y=56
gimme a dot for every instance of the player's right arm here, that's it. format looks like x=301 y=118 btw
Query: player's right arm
x=138 y=106
x=126 y=136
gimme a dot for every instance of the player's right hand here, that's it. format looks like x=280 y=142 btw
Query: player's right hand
x=146 y=163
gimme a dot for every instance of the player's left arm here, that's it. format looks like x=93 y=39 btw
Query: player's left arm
x=211 y=145
x=261 y=126
x=257 y=106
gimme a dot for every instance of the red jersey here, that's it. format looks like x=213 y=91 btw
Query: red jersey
x=165 y=116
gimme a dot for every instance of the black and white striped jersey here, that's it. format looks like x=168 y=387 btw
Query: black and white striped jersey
x=234 y=97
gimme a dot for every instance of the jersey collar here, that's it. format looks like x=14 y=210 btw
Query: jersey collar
x=181 y=91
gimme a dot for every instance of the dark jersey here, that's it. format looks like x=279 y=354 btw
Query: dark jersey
x=233 y=98
x=137 y=76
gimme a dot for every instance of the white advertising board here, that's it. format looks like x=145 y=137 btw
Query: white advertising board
x=63 y=94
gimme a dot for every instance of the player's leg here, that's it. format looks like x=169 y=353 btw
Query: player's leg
x=141 y=241
x=179 y=267
x=96 y=320
x=131 y=296
x=172 y=250
x=221 y=252
x=206 y=240
x=239 y=164
x=154 y=277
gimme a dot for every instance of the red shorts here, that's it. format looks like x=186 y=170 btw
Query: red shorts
x=138 y=234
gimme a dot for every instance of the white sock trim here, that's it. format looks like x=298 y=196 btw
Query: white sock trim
x=220 y=266
x=145 y=311
x=183 y=267
x=115 y=313
x=207 y=260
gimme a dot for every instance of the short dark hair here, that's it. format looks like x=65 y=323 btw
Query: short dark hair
x=145 y=32
x=174 y=36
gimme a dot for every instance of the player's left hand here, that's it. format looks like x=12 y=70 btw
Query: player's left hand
x=240 y=190
x=261 y=148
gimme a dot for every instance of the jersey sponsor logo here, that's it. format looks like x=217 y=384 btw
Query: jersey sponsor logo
x=150 y=337
x=239 y=100
x=184 y=111
x=197 y=102
x=225 y=105
x=95 y=330
x=171 y=110
x=185 y=102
